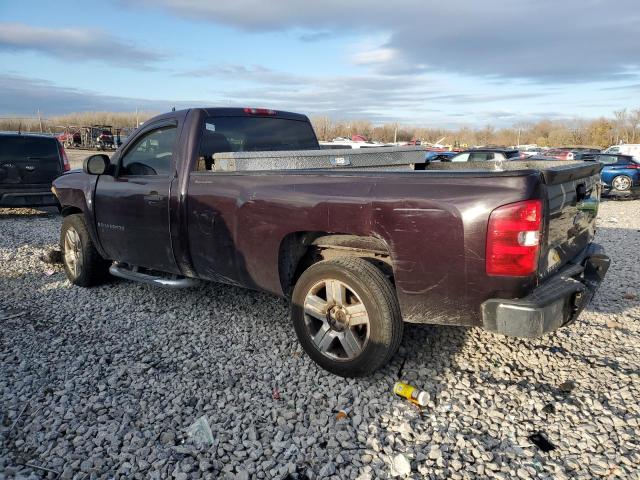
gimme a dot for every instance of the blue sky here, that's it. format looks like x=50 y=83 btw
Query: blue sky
x=420 y=62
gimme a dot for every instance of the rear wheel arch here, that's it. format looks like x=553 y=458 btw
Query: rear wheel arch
x=299 y=250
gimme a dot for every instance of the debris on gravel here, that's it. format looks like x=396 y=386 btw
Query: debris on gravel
x=106 y=382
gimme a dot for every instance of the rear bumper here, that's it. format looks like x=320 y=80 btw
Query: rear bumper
x=28 y=199
x=555 y=303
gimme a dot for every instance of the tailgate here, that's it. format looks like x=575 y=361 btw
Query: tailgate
x=573 y=194
x=29 y=160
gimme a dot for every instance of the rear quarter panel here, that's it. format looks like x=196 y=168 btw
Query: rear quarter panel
x=434 y=225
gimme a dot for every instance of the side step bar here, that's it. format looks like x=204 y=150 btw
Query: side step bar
x=118 y=270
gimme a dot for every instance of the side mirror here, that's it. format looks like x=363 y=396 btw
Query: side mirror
x=96 y=164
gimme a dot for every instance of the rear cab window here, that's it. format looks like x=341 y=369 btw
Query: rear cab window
x=252 y=134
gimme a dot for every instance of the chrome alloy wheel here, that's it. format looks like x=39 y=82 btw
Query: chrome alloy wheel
x=336 y=320
x=73 y=252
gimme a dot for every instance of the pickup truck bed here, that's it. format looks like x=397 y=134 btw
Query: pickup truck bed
x=414 y=242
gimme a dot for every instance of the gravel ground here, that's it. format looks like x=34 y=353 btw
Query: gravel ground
x=105 y=383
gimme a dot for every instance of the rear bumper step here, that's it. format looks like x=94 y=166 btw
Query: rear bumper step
x=553 y=304
x=132 y=273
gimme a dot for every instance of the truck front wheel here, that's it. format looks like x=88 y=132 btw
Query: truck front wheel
x=82 y=263
x=346 y=315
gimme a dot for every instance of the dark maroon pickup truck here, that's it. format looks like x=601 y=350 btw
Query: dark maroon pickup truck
x=359 y=241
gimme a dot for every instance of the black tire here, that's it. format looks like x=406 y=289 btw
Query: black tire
x=621 y=179
x=92 y=269
x=374 y=290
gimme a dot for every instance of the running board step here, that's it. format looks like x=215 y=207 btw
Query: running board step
x=132 y=273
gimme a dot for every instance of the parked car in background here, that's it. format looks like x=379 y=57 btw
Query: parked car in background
x=568 y=153
x=28 y=165
x=584 y=156
x=586 y=150
x=105 y=140
x=632 y=149
x=536 y=158
x=440 y=156
x=621 y=173
x=530 y=152
x=486 y=154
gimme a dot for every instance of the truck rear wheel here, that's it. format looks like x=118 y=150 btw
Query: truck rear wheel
x=82 y=263
x=346 y=315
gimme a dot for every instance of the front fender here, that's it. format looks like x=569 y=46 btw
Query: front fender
x=75 y=192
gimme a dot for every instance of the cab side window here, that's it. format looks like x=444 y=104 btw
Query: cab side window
x=151 y=154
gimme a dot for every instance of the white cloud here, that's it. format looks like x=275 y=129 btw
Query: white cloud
x=376 y=56
x=20 y=95
x=75 y=44
x=566 y=41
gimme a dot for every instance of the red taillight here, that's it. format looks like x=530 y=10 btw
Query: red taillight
x=513 y=239
x=633 y=166
x=66 y=166
x=259 y=111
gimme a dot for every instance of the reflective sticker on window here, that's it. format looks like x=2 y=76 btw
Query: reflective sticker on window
x=210 y=126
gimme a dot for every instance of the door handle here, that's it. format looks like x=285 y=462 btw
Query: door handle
x=153 y=197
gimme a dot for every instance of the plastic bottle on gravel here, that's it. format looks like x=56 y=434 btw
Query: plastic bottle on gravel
x=411 y=393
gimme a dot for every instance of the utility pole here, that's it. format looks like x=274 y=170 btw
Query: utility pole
x=137 y=122
x=40 y=120
x=395 y=133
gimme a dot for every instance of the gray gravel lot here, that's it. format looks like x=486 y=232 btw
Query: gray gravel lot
x=104 y=383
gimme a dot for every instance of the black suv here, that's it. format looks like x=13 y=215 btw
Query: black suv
x=28 y=165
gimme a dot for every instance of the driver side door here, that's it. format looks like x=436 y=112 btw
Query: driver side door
x=132 y=207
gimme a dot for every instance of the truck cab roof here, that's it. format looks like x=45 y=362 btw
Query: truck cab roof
x=234 y=112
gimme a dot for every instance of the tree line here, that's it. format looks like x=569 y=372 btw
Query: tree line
x=57 y=124
x=622 y=127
